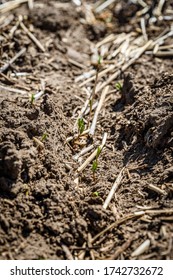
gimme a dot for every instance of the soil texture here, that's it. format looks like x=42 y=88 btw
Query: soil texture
x=49 y=210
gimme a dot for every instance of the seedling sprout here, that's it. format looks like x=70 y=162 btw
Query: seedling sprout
x=81 y=125
x=32 y=98
x=95 y=162
x=44 y=137
x=118 y=86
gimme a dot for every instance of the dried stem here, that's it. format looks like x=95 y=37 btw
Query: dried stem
x=117 y=223
x=125 y=66
x=11 y=5
x=101 y=101
x=15 y=90
x=114 y=188
x=12 y=60
x=32 y=37
x=67 y=252
x=141 y=249
x=89 y=245
x=104 y=5
x=121 y=249
x=83 y=152
x=93 y=155
x=155 y=189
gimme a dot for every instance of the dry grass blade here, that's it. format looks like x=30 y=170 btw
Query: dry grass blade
x=70 y=138
x=164 y=53
x=114 y=188
x=143 y=27
x=121 y=249
x=126 y=65
x=142 y=3
x=160 y=40
x=81 y=255
x=155 y=189
x=77 y=64
x=141 y=249
x=100 y=104
x=89 y=245
x=117 y=223
x=67 y=252
x=31 y=4
x=93 y=155
x=14 y=90
x=93 y=107
x=85 y=75
x=32 y=37
x=108 y=39
x=7 y=79
x=104 y=5
x=38 y=143
x=83 y=152
x=6 y=20
x=100 y=75
x=158 y=212
x=158 y=10
x=11 y=5
x=12 y=60
x=143 y=11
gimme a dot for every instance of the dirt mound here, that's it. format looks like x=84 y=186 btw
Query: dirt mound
x=149 y=115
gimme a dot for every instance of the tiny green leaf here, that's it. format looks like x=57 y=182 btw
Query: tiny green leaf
x=44 y=137
x=81 y=125
x=118 y=86
x=99 y=59
x=94 y=166
x=96 y=194
x=32 y=98
x=98 y=152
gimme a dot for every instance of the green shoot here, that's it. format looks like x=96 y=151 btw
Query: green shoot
x=98 y=152
x=108 y=19
x=90 y=105
x=32 y=98
x=81 y=125
x=99 y=60
x=94 y=166
x=118 y=86
x=44 y=137
x=95 y=162
x=96 y=194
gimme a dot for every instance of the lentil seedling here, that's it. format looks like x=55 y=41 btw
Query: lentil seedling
x=118 y=86
x=81 y=125
x=95 y=162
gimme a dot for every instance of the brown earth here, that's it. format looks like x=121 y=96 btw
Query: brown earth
x=43 y=213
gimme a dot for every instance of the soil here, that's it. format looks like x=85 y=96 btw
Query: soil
x=44 y=214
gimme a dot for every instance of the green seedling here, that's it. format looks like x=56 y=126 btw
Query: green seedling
x=95 y=162
x=99 y=60
x=32 y=99
x=118 y=86
x=81 y=125
x=96 y=194
x=108 y=19
x=98 y=152
x=90 y=106
x=94 y=166
x=44 y=137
